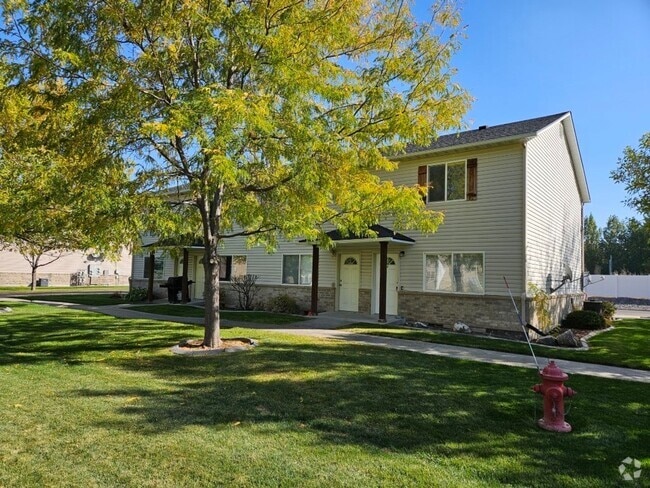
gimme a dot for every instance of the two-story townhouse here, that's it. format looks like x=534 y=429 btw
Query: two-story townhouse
x=513 y=197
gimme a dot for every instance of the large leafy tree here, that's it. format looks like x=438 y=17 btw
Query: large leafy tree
x=59 y=188
x=638 y=247
x=272 y=116
x=633 y=171
x=626 y=241
x=614 y=244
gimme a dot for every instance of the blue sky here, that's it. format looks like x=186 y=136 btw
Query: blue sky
x=528 y=58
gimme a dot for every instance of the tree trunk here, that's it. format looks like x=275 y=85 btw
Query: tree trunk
x=33 y=262
x=211 y=216
x=212 y=333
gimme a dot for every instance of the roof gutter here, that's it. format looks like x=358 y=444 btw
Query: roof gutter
x=372 y=239
x=491 y=142
x=578 y=166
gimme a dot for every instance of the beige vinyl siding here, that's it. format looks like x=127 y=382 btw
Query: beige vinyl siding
x=492 y=224
x=268 y=266
x=366 y=267
x=553 y=211
x=170 y=264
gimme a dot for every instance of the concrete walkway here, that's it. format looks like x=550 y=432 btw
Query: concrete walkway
x=325 y=327
x=473 y=354
x=630 y=313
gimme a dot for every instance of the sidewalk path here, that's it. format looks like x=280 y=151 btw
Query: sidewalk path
x=473 y=354
x=632 y=313
x=325 y=328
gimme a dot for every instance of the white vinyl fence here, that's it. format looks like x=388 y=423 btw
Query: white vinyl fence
x=618 y=286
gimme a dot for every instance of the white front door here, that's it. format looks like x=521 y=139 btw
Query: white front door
x=199 y=279
x=349 y=283
x=392 y=284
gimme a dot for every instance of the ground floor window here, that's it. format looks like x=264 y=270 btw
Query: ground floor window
x=158 y=266
x=454 y=272
x=296 y=269
x=231 y=267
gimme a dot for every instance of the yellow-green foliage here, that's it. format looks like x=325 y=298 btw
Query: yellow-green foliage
x=541 y=304
x=275 y=115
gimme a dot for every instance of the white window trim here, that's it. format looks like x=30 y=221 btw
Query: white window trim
x=159 y=261
x=447 y=163
x=435 y=253
x=300 y=255
x=232 y=258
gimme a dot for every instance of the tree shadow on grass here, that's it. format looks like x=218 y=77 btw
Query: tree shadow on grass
x=400 y=402
x=477 y=417
x=38 y=333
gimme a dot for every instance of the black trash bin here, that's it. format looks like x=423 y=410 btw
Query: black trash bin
x=174 y=285
x=593 y=305
x=43 y=282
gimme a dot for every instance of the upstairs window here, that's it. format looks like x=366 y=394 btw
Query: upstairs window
x=447 y=181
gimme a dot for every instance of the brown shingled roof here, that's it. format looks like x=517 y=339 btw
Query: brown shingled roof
x=487 y=134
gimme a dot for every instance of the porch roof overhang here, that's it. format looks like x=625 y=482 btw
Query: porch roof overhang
x=383 y=234
x=175 y=243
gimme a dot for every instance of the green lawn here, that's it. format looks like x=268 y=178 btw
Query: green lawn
x=255 y=317
x=90 y=400
x=92 y=299
x=627 y=345
x=69 y=289
x=171 y=310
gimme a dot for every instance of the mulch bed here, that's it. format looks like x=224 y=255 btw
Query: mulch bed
x=195 y=347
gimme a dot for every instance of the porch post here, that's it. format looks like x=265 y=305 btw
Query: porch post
x=185 y=292
x=152 y=263
x=383 y=268
x=314 y=280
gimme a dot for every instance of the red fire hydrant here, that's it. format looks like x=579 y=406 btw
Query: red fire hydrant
x=554 y=391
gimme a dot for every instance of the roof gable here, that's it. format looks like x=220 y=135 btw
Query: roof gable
x=509 y=133
x=485 y=134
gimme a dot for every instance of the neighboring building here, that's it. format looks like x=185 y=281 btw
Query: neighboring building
x=513 y=198
x=73 y=268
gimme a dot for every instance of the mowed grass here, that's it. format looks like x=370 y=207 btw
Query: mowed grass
x=92 y=299
x=91 y=400
x=71 y=289
x=256 y=317
x=627 y=345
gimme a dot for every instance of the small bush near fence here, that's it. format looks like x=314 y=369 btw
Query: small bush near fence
x=584 y=319
x=283 y=304
x=607 y=311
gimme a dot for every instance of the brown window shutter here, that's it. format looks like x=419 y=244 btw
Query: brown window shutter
x=472 y=170
x=422 y=180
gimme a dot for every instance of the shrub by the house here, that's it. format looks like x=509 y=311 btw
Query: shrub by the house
x=283 y=304
x=584 y=319
x=607 y=311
